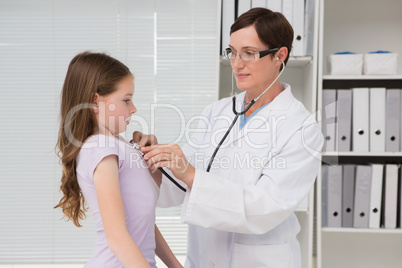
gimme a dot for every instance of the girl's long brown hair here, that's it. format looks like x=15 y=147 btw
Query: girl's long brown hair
x=87 y=74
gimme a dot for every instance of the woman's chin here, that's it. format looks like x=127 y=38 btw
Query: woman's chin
x=243 y=88
x=242 y=85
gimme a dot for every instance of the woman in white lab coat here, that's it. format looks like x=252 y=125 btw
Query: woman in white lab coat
x=241 y=212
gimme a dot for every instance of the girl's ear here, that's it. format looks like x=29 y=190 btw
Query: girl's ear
x=95 y=102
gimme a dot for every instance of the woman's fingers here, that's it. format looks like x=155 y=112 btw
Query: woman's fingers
x=153 y=150
x=143 y=139
x=137 y=135
x=165 y=155
x=166 y=161
x=174 y=161
x=170 y=156
x=154 y=166
x=148 y=140
x=159 y=157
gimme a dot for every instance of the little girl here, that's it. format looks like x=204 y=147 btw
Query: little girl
x=103 y=170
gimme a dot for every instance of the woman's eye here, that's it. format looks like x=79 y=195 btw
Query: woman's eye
x=127 y=101
x=248 y=53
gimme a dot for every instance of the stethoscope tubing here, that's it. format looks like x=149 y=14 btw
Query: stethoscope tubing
x=171 y=179
x=229 y=129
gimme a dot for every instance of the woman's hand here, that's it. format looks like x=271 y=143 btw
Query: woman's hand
x=171 y=157
x=144 y=139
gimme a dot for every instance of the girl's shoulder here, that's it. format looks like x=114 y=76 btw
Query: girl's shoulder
x=99 y=143
x=96 y=147
x=91 y=153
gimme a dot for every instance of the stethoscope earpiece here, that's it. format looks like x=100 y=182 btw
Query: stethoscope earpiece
x=278 y=59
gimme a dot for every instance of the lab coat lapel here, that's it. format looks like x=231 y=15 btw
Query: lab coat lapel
x=235 y=130
x=264 y=116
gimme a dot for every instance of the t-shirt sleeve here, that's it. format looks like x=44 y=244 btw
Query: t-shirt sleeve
x=91 y=156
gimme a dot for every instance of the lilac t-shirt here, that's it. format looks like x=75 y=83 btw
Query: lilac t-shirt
x=138 y=190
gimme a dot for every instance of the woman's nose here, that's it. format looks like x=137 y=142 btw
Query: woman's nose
x=237 y=62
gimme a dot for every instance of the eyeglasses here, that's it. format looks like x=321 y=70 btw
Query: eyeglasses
x=248 y=55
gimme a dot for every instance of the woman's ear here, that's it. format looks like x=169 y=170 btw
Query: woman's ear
x=282 y=54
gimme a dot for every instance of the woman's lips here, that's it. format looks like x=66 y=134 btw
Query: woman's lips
x=241 y=76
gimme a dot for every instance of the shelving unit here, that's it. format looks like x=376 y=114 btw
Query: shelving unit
x=360 y=26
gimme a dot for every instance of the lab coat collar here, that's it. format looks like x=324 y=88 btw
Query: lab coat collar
x=281 y=102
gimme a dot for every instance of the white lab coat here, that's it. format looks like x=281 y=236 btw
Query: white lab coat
x=241 y=213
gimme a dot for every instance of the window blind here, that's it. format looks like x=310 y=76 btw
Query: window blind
x=170 y=46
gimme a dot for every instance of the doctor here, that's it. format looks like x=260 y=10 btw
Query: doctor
x=241 y=212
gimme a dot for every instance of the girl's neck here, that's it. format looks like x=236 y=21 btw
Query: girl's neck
x=106 y=132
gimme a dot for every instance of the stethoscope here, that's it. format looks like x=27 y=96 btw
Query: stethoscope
x=237 y=114
x=241 y=113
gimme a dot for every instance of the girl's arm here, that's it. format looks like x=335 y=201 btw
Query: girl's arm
x=164 y=252
x=111 y=208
